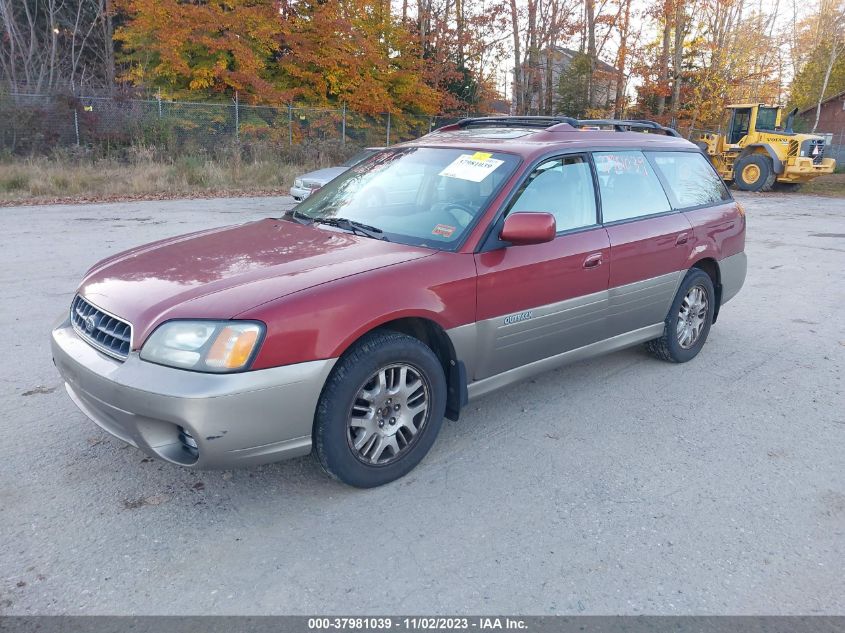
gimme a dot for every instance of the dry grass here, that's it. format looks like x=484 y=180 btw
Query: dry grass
x=832 y=186
x=49 y=180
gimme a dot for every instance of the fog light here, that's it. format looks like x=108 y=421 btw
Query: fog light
x=189 y=444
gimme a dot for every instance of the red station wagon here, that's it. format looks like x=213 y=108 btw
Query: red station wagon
x=431 y=274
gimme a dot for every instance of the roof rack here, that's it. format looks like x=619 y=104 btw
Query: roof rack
x=627 y=125
x=544 y=122
x=514 y=121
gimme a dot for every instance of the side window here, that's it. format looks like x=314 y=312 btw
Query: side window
x=691 y=179
x=563 y=187
x=629 y=187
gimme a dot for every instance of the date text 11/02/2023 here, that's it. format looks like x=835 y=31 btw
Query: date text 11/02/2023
x=416 y=623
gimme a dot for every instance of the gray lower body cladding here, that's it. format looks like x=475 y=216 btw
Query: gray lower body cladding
x=501 y=351
x=732 y=271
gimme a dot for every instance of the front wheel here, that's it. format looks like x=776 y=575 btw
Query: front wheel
x=380 y=411
x=688 y=322
x=754 y=172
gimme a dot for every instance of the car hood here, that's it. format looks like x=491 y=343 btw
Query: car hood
x=323 y=175
x=220 y=273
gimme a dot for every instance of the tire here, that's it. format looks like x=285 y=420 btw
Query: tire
x=754 y=172
x=787 y=187
x=669 y=346
x=355 y=400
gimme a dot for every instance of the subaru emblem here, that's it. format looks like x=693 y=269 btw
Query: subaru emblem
x=90 y=323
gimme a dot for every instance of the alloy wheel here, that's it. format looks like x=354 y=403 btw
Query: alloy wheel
x=692 y=316
x=388 y=413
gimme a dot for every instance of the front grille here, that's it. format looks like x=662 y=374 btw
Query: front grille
x=813 y=149
x=101 y=330
x=818 y=154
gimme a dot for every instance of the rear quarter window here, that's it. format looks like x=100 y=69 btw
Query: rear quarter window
x=690 y=179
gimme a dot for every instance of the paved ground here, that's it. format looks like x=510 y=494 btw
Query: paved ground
x=621 y=485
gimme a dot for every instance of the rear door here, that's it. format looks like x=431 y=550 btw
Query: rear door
x=540 y=300
x=697 y=191
x=650 y=243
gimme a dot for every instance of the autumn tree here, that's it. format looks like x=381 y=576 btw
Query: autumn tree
x=708 y=53
x=353 y=52
x=820 y=63
x=538 y=28
x=461 y=43
x=203 y=47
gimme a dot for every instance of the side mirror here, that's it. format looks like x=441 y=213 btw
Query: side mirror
x=528 y=227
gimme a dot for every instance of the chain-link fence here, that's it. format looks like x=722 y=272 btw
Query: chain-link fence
x=38 y=124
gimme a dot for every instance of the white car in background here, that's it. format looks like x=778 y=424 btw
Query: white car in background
x=308 y=183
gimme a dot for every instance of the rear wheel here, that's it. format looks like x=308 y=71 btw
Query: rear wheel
x=754 y=172
x=688 y=322
x=787 y=187
x=380 y=411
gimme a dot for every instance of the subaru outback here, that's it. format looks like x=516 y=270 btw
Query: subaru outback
x=432 y=273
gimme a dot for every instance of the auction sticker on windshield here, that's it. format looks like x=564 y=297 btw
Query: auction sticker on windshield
x=474 y=167
x=445 y=230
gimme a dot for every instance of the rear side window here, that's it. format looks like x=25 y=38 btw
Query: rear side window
x=629 y=187
x=564 y=188
x=691 y=180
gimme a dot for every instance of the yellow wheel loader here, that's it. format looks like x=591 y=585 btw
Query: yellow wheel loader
x=759 y=152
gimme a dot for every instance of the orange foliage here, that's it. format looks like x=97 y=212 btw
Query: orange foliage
x=353 y=51
x=202 y=47
x=322 y=53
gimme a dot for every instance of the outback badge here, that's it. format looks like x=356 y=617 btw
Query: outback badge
x=520 y=316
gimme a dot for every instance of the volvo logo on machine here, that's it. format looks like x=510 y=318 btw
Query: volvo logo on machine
x=520 y=316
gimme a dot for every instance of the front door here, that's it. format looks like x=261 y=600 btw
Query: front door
x=740 y=124
x=541 y=300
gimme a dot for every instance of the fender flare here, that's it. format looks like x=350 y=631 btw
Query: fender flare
x=777 y=163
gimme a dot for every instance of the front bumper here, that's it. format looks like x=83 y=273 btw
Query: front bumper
x=802 y=169
x=235 y=420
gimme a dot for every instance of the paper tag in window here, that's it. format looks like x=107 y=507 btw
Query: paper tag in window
x=475 y=167
x=443 y=229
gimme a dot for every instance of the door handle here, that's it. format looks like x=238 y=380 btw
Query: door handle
x=592 y=260
x=683 y=238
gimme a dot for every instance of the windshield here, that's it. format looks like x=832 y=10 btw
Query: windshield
x=416 y=195
x=360 y=157
x=766 y=118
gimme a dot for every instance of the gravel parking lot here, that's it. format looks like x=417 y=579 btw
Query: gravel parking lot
x=621 y=485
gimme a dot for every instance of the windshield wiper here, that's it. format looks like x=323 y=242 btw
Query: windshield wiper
x=299 y=217
x=353 y=227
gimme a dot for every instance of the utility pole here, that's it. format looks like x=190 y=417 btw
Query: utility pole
x=237 y=121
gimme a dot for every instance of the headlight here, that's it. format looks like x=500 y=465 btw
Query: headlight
x=210 y=346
